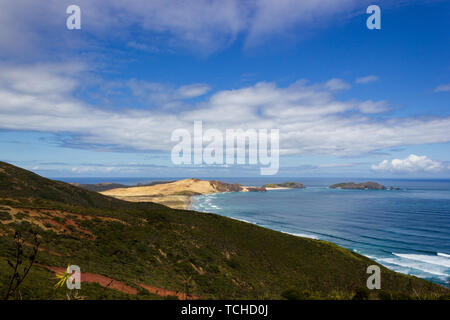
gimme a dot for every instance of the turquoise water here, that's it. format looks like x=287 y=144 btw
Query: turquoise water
x=407 y=230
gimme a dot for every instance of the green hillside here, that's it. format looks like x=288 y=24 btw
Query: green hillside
x=209 y=256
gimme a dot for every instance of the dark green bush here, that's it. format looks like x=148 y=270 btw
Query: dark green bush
x=295 y=294
x=361 y=294
x=5 y=215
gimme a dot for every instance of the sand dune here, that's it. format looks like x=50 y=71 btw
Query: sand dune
x=194 y=186
x=173 y=194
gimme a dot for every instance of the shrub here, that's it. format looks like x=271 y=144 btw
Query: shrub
x=21 y=215
x=361 y=294
x=295 y=294
x=5 y=215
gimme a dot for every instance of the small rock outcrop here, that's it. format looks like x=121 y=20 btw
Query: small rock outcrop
x=225 y=187
x=293 y=185
x=256 y=189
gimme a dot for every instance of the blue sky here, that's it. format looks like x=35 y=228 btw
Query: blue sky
x=348 y=101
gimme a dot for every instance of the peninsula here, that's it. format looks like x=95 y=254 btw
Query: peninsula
x=177 y=194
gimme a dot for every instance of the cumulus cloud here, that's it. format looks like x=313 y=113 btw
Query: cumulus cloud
x=368 y=79
x=412 y=163
x=310 y=118
x=443 y=88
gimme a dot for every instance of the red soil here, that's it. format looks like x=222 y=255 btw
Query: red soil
x=122 y=287
x=97 y=278
x=165 y=293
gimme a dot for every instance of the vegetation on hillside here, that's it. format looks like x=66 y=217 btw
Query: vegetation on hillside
x=100 y=187
x=212 y=257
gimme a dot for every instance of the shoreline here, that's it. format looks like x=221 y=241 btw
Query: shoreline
x=389 y=260
x=189 y=201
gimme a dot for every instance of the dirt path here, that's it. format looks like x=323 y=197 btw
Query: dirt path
x=120 y=286
x=97 y=278
x=165 y=293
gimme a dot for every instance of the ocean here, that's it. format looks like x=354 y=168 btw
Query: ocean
x=406 y=230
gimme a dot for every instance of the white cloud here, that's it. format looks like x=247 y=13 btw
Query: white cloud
x=335 y=165
x=142 y=47
x=443 y=88
x=310 y=118
x=368 y=79
x=88 y=169
x=337 y=84
x=201 y=25
x=193 y=90
x=150 y=94
x=370 y=106
x=267 y=18
x=412 y=163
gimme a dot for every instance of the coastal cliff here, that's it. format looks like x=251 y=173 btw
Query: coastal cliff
x=285 y=185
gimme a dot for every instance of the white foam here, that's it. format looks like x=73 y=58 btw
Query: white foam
x=424 y=267
x=242 y=220
x=443 y=255
x=302 y=235
x=436 y=260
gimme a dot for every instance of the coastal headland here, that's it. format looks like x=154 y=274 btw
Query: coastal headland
x=177 y=194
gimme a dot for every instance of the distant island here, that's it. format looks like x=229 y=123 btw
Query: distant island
x=360 y=186
x=369 y=185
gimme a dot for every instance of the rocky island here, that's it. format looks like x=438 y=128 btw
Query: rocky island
x=369 y=185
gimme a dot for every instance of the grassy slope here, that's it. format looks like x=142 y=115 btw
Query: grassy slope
x=162 y=247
